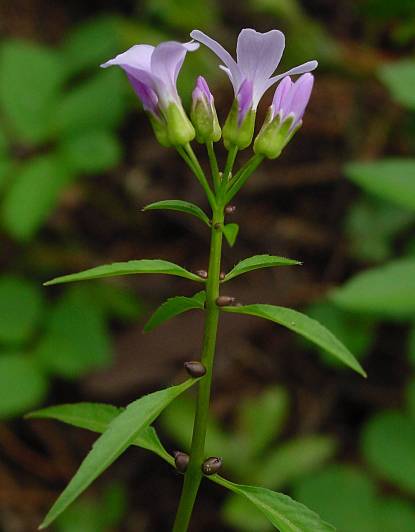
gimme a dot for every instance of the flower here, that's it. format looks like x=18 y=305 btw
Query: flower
x=152 y=72
x=258 y=55
x=284 y=116
x=203 y=113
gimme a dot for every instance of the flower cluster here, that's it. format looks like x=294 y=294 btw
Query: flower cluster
x=153 y=72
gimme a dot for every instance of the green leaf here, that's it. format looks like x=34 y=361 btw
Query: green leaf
x=344 y=496
x=22 y=385
x=303 y=325
x=128 y=268
x=181 y=206
x=256 y=262
x=411 y=346
x=387 y=291
x=6 y=166
x=399 y=77
x=21 y=308
x=410 y=398
x=97 y=417
x=91 y=151
x=388 y=444
x=396 y=514
x=390 y=179
x=121 y=432
x=77 y=339
x=283 y=512
x=231 y=232
x=240 y=514
x=30 y=80
x=32 y=195
x=173 y=307
x=98 y=103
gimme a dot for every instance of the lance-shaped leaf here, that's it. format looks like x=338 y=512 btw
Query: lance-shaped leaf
x=283 y=512
x=119 y=435
x=181 y=206
x=97 y=417
x=303 y=325
x=231 y=232
x=173 y=307
x=258 y=261
x=127 y=268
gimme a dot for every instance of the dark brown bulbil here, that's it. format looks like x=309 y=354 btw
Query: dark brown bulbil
x=211 y=465
x=195 y=368
x=181 y=461
x=224 y=301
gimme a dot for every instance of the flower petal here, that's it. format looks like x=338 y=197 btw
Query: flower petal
x=300 y=95
x=300 y=69
x=136 y=62
x=233 y=70
x=282 y=93
x=244 y=97
x=146 y=94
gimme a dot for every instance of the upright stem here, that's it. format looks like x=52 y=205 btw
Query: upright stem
x=193 y=474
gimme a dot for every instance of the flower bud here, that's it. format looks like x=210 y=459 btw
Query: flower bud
x=224 y=301
x=195 y=369
x=179 y=128
x=211 y=465
x=181 y=461
x=240 y=123
x=203 y=113
x=284 y=117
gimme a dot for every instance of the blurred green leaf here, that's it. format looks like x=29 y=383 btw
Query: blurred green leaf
x=143 y=266
x=30 y=80
x=33 y=194
x=386 y=9
x=22 y=385
x=261 y=418
x=410 y=398
x=114 y=301
x=4 y=143
x=5 y=171
x=77 y=339
x=384 y=291
x=173 y=307
x=91 y=43
x=411 y=346
x=304 y=326
x=283 y=512
x=355 y=331
x=98 y=103
x=242 y=515
x=21 y=308
x=257 y=262
x=399 y=77
x=390 y=179
x=343 y=495
x=230 y=232
x=181 y=206
x=388 y=444
x=113 y=442
x=396 y=515
x=91 y=151
x=293 y=459
x=181 y=15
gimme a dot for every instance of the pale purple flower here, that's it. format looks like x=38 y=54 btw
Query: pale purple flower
x=153 y=71
x=202 y=91
x=258 y=55
x=291 y=98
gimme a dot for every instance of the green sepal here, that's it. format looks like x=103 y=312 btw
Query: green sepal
x=160 y=130
x=179 y=128
x=205 y=122
x=235 y=134
x=274 y=136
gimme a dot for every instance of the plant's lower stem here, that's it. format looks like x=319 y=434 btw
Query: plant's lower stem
x=193 y=474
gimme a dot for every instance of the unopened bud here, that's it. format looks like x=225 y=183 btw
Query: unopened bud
x=211 y=465
x=222 y=276
x=203 y=274
x=195 y=368
x=203 y=113
x=224 y=301
x=181 y=461
x=230 y=209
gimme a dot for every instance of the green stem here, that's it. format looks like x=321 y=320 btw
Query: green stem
x=243 y=175
x=191 y=160
x=193 y=474
x=233 y=152
x=213 y=165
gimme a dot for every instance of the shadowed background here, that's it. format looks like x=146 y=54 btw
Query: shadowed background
x=78 y=161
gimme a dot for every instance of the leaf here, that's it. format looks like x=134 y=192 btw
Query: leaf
x=91 y=151
x=396 y=514
x=181 y=206
x=390 y=179
x=240 y=514
x=388 y=444
x=97 y=417
x=303 y=325
x=256 y=262
x=343 y=495
x=231 y=232
x=127 y=268
x=399 y=77
x=21 y=308
x=22 y=385
x=76 y=339
x=410 y=398
x=121 y=432
x=32 y=195
x=387 y=291
x=283 y=512
x=173 y=307
x=30 y=80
